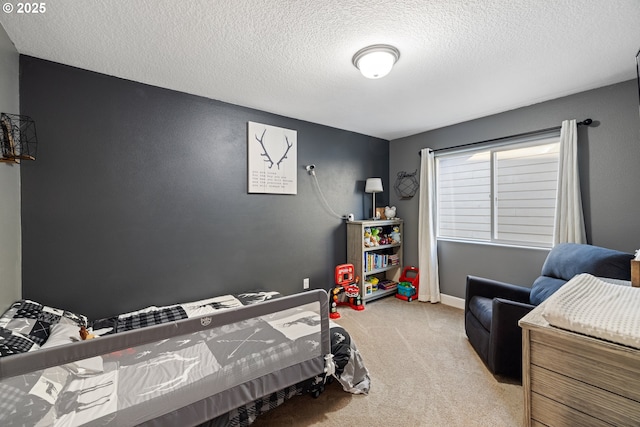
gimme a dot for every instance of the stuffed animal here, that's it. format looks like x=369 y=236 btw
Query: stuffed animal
x=395 y=234
x=85 y=334
x=390 y=212
x=368 y=239
x=375 y=235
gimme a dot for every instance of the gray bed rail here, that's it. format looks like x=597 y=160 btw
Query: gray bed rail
x=23 y=363
x=202 y=398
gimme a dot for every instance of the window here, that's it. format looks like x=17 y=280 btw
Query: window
x=503 y=194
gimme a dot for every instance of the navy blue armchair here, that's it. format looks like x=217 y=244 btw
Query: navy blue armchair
x=492 y=309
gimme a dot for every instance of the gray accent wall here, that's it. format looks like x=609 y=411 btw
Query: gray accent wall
x=139 y=196
x=609 y=153
x=10 y=279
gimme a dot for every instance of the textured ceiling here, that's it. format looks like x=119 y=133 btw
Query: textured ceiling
x=460 y=59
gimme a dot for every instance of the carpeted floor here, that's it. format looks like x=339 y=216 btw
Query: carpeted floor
x=423 y=373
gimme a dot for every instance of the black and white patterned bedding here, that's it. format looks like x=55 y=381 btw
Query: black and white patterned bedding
x=97 y=388
x=15 y=343
x=157 y=315
x=26 y=325
x=350 y=371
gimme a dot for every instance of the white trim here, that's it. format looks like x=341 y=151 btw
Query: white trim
x=494 y=243
x=452 y=301
x=484 y=223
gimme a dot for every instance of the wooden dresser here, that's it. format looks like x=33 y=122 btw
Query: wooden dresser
x=570 y=379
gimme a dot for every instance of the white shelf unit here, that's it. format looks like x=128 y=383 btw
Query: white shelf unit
x=357 y=253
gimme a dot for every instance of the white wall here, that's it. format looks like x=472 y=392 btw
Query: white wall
x=10 y=247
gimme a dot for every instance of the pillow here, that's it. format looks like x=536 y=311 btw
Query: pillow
x=543 y=287
x=61 y=334
x=567 y=260
x=34 y=320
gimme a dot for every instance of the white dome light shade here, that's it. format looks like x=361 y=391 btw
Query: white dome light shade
x=376 y=61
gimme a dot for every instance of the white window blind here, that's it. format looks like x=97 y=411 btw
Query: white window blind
x=504 y=194
x=464 y=196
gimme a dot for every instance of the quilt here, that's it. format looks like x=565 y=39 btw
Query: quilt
x=108 y=389
x=350 y=372
x=26 y=325
x=162 y=376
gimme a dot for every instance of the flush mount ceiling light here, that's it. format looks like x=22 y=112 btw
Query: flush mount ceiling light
x=376 y=61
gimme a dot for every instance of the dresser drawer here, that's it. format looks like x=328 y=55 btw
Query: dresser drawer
x=571 y=379
x=547 y=412
x=616 y=370
x=580 y=397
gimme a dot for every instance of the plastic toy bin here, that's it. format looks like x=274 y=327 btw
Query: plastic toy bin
x=406 y=289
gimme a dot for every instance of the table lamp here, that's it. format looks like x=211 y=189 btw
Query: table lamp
x=373 y=186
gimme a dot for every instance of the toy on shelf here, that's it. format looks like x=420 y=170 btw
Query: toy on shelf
x=390 y=212
x=373 y=281
x=409 y=284
x=347 y=284
x=395 y=234
x=368 y=238
x=375 y=235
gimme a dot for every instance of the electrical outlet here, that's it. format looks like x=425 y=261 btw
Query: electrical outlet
x=305 y=283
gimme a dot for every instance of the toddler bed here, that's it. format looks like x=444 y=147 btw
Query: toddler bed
x=215 y=361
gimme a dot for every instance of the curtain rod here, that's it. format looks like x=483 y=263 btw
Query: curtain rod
x=585 y=122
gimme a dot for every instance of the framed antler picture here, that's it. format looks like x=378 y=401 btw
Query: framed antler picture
x=272 y=159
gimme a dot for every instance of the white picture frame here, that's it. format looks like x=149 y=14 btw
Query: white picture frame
x=272 y=159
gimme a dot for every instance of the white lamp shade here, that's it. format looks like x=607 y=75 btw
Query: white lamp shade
x=374 y=185
x=376 y=61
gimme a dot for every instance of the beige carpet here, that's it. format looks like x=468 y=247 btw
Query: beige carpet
x=423 y=372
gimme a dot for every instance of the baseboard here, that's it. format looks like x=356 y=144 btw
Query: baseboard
x=452 y=301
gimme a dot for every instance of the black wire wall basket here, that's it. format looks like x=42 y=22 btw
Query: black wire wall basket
x=406 y=185
x=18 y=139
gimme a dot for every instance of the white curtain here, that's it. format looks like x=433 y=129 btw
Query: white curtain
x=569 y=221
x=429 y=290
